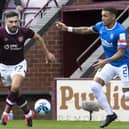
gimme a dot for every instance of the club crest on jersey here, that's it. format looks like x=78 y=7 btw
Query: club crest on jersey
x=111 y=36
x=5 y=39
x=20 y=38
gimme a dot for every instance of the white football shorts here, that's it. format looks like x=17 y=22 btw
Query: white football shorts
x=8 y=71
x=108 y=72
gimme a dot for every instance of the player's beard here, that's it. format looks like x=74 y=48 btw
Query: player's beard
x=13 y=29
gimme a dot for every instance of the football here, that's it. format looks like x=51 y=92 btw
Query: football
x=42 y=106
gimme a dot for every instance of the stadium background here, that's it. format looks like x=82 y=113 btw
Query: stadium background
x=40 y=75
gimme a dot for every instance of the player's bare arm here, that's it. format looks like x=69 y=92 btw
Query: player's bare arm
x=80 y=30
x=101 y=62
x=119 y=54
x=48 y=55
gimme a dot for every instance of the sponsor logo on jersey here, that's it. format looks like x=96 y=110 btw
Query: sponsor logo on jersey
x=105 y=43
x=12 y=47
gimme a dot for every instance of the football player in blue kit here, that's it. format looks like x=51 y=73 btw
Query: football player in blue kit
x=114 y=42
x=13 y=65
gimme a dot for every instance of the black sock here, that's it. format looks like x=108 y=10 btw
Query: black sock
x=10 y=101
x=23 y=104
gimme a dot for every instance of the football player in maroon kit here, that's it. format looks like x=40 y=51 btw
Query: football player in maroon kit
x=13 y=65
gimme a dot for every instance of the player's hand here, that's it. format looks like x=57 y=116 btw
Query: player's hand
x=61 y=26
x=99 y=63
x=19 y=8
x=50 y=57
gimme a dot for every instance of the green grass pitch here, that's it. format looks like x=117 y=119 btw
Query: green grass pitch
x=51 y=124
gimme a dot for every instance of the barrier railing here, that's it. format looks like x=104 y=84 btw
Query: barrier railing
x=26 y=11
x=41 y=11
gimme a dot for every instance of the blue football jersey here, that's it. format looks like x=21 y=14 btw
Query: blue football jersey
x=113 y=39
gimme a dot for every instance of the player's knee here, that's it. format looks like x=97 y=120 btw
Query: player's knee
x=14 y=88
x=95 y=87
x=99 y=80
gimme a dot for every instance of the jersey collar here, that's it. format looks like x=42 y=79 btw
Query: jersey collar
x=6 y=28
x=112 y=27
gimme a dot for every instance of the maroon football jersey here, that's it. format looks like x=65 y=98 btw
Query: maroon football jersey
x=12 y=46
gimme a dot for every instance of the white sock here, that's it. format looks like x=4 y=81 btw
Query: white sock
x=5 y=113
x=126 y=95
x=101 y=97
x=29 y=114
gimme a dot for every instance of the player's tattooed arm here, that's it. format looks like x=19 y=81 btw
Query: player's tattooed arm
x=80 y=30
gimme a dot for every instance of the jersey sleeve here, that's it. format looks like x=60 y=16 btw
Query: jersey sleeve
x=28 y=32
x=122 y=41
x=96 y=27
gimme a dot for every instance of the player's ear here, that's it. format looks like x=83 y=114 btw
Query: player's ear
x=113 y=16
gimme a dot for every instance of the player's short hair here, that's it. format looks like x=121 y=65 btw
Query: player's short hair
x=111 y=9
x=9 y=14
